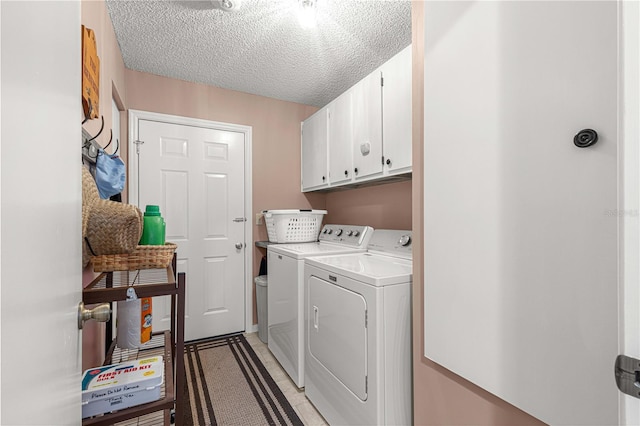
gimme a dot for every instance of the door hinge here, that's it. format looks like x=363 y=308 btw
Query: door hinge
x=627 y=372
x=381 y=80
x=366 y=318
x=383 y=160
x=138 y=143
x=366 y=384
x=240 y=219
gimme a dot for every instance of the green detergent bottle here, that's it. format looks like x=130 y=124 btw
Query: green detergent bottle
x=153 y=227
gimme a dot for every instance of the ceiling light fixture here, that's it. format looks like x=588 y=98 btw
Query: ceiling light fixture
x=227 y=5
x=307 y=13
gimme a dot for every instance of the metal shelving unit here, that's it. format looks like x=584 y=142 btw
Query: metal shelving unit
x=112 y=286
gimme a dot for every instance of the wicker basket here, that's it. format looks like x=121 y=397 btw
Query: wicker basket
x=143 y=257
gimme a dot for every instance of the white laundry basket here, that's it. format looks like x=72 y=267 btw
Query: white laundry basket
x=293 y=226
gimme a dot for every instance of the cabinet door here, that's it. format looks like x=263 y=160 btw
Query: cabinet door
x=340 y=140
x=396 y=117
x=314 y=151
x=367 y=127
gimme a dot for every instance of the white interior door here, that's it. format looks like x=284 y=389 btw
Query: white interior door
x=521 y=226
x=41 y=213
x=196 y=176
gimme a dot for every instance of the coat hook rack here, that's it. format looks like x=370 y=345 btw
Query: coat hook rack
x=87 y=117
x=110 y=140
x=91 y=148
x=99 y=131
x=115 y=151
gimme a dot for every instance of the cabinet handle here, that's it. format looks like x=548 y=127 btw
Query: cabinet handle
x=346 y=173
x=355 y=170
x=323 y=178
x=388 y=162
x=585 y=138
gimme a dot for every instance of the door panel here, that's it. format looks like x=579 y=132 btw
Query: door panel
x=336 y=319
x=196 y=175
x=521 y=254
x=41 y=213
x=396 y=107
x=175 y=190
x=215 y=297
x=314 y=151
x=367 y=126
x=340 y=139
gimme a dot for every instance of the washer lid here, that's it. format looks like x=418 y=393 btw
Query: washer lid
x=373 y=269
x=304 y=250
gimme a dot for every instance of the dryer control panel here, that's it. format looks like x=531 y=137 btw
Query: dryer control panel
x=391 y=242
x=350 y=235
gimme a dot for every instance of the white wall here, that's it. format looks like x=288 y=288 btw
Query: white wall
x=520 y=274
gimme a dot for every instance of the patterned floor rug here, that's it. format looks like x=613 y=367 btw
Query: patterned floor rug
x=227 y=384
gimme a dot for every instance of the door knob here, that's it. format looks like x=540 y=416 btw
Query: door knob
x=239 y=246
x=101 y=313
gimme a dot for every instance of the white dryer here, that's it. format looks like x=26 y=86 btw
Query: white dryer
x=358 y=333
x=285 y=291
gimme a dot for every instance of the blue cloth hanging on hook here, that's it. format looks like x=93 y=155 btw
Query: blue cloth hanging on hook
x=110 y=174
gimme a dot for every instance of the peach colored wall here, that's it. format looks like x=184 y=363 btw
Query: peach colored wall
x=275 y=137
x=96 y=17
x=385 y=206
x=440 y=396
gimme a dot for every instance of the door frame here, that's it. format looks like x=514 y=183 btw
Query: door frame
x=628 y=212
x=134 y=121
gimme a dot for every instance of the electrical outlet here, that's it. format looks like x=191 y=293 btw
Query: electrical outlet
x=259 y=219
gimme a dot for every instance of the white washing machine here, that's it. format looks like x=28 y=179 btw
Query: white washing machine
x=358 y=333
x=285 y=292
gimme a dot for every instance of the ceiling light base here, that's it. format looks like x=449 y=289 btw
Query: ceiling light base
x=227 y=5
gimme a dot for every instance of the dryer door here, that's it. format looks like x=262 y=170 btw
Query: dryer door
x=338 y=333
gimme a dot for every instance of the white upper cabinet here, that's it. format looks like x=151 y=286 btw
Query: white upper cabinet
x=340 y=139
x=314 y=152
x=367 y=127
x=396 y=117
x=364 y=135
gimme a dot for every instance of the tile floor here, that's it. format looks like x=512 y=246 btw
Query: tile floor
x=303 y=407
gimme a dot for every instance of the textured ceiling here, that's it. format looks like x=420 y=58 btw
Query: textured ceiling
x=261 y=48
